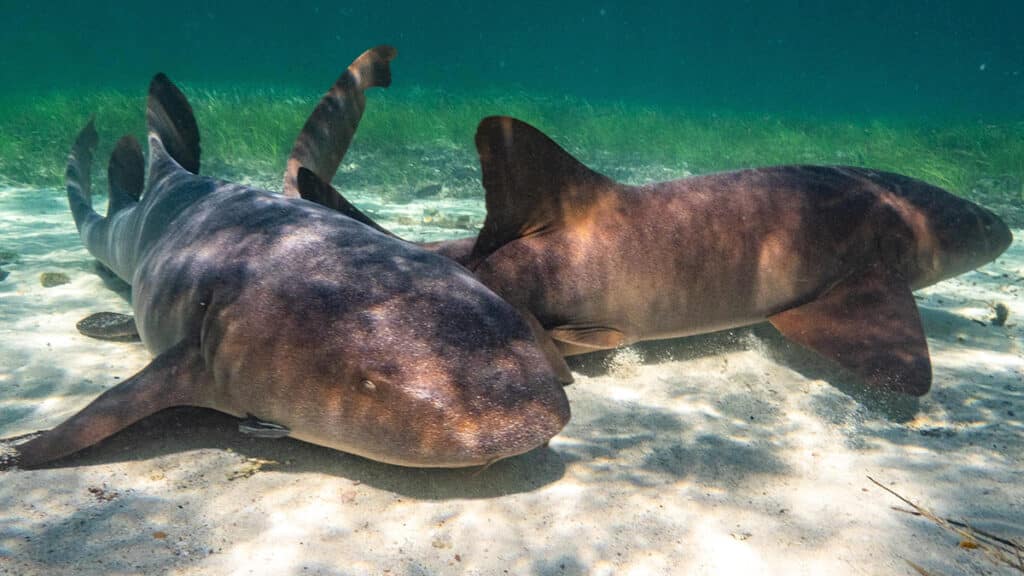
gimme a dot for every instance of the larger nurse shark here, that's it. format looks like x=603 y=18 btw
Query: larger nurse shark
x=829 y=255
x=314 y=325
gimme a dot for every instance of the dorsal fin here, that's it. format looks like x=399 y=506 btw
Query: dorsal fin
x=172 y=127
x=531 y=183
x=79 y=173
x=126 y=174
x=312 y=188
x=329 y=130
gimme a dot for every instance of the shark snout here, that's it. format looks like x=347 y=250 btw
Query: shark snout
x=979 y=238
x=518 y=421
x=477 y=411
x=996 y=233
x=534 y=426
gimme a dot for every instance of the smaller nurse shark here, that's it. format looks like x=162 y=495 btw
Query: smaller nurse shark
x=829 y=255
x=307 y=322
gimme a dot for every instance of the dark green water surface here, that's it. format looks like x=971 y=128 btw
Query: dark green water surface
x=870 y=57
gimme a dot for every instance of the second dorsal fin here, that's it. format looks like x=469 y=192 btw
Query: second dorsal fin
x=531 y=183
x=126 y=174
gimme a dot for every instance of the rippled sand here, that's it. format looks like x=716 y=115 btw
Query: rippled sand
x=730 y=453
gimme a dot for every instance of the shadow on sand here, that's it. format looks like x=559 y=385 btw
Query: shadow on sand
x=185 y=429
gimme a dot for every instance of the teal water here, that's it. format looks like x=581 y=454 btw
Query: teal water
x=874 y=57
x=932 y=90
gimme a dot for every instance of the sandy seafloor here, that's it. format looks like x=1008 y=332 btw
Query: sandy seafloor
x=730 y=453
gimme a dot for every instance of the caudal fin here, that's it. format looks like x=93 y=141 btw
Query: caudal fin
x=329 y=130
x=79 y=174
x=531 y=183
x=125 y=172
x=173 y=133
x=126 y=175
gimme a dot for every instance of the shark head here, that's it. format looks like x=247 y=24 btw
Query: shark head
x=952 y=235
x=433 y=371
x=935 y=234
x=417 y=362
x=984 y=236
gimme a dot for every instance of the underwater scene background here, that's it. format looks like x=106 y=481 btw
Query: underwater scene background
x=931 y=90
x=734 y=452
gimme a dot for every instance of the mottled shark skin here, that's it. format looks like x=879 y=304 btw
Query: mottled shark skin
x=308 y=322
x=828 y=254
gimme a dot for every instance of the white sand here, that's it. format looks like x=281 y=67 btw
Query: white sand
x=731 y=453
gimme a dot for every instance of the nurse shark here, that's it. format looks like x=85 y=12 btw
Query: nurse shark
x=829 y=255
x=311 y=324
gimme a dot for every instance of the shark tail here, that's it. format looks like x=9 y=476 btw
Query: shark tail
x=78 y=175
x=372 y=68
x=174 y=147
x=329 y=130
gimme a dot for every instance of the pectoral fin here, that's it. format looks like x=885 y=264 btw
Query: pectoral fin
x=550 y=348
x=869 y=323
x=582 y=340
x=174 y=378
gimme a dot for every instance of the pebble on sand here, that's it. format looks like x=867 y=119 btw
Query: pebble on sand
x=51 y=279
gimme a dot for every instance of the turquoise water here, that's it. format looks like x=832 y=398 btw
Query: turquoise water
x=932 y=91
x=872 y=58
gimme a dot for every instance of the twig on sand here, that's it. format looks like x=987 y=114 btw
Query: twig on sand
x=917 y=568
x=1000 y=550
